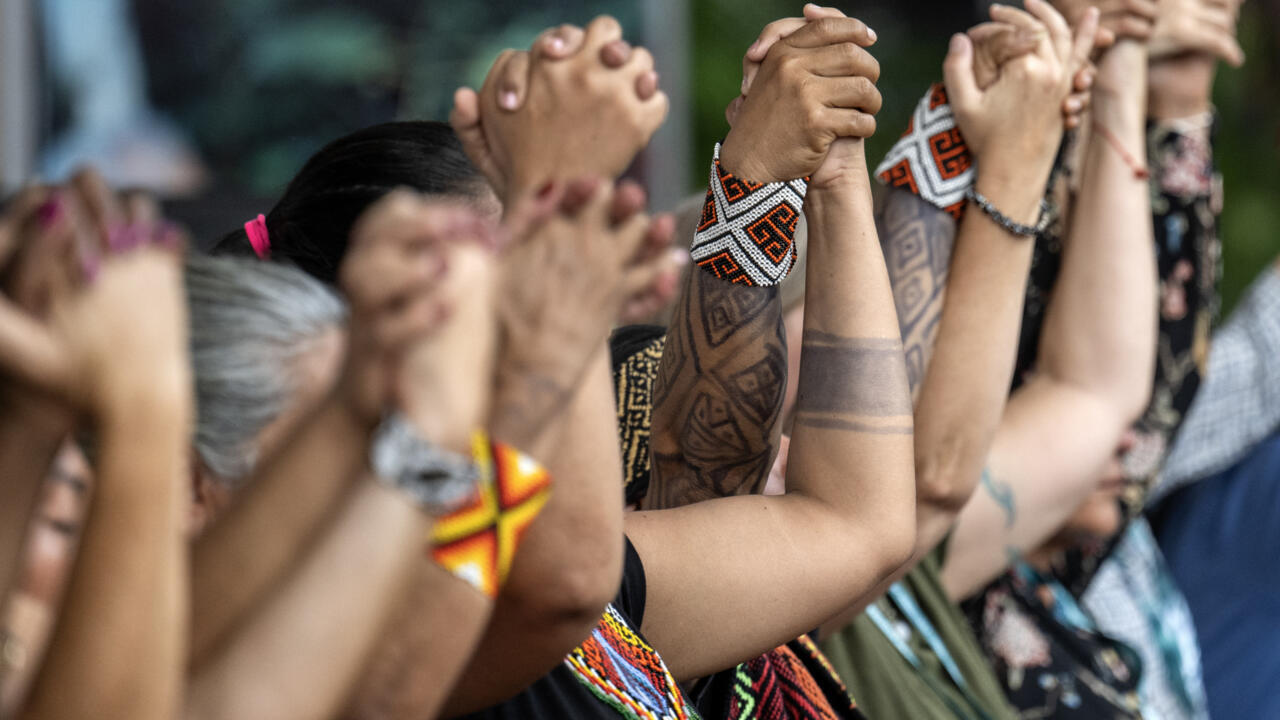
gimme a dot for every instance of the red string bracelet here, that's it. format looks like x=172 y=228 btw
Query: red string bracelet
x=1140 y=171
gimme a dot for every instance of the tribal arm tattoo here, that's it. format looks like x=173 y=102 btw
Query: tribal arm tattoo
x=917 y=239
x=719 y=392
x=853 y=384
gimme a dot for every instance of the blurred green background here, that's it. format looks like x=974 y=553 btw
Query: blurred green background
x=259 y=85
x=912 y=43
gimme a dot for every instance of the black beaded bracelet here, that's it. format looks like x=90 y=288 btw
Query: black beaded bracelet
x=1005 y=221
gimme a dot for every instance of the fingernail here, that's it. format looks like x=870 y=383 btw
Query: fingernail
x=754 y=46
x=50 y=211
x=957 y=43
x=557 y=43
x=507 y=100
x=872 y=34
x=680 y=257
x=1073 y=105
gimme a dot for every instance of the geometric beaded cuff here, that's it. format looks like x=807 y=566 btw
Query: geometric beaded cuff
x=478 y=542
x=747 y=231
x=931 y=159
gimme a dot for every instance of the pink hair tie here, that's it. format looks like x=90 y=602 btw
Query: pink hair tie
x=256 y=229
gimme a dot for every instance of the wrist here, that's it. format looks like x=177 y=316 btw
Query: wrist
x=1180 y=86
x=741 y=160
x=1122 y=71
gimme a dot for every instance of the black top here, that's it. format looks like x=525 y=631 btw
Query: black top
x=613 y=674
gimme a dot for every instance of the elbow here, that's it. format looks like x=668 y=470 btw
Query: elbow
x=895 y=542
x=1132 y=401
x=565 y=592
x=942 y=482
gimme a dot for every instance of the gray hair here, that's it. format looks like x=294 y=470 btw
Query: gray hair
x=250 y=323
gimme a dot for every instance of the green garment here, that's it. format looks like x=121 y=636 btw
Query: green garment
x=888 y=687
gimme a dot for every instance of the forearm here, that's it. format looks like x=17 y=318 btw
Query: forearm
x=965 y=387
x=289 y=497
x=570 y=560
x=1100 y=330
x=26 y=452
x=300 y=653
x=720 y=389
x=119 y=647
x=851 y=447
x=423 y=654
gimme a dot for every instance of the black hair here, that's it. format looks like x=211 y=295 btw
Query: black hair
x=310 y=225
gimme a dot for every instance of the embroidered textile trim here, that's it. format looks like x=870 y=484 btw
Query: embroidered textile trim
x=792 y=682
x=747 y=231
x=623 y=671
x=478 y=541
x=931 y=159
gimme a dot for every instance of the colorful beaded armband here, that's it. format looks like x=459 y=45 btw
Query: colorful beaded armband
x=478 y=542
x=931 y=159
x=747 y=231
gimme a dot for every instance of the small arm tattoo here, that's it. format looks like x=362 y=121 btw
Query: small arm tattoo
x=854 y=384
x=1002 y=493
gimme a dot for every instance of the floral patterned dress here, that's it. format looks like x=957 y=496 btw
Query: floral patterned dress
x=1052 y=658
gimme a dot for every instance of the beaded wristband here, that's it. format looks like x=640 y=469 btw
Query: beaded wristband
x=931 y=159
x=747 y=231
x=478 y=542
x=1005 y=221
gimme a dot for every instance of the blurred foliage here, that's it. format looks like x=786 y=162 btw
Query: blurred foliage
x=912 y=42
x=262 y=84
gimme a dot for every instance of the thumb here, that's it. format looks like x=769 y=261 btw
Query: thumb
x=957 y=72
x=465 y=120
x=28 y=353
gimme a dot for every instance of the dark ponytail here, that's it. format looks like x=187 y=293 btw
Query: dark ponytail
x=310 y=225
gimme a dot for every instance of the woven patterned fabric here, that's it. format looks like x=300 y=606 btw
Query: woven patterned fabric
x=621 y=669
x=931 y=159
x=747 y=231
x=633 y=377
x=478 y=542
x=792 y=682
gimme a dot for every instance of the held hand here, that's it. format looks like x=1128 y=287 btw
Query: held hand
x=996 y=44
x=1198 y=26
x=585 y=248
x=1120 y=19
x=79 y=264
x=558 y=43
x=579 y=116
x=814 y=86
x=394 y=278
x=94 y=318
x=1020 y=116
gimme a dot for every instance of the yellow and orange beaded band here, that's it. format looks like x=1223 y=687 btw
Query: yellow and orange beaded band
x=747 y=231
x=478 y=541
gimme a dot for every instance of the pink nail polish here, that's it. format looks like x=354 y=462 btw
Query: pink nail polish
x=50 y=211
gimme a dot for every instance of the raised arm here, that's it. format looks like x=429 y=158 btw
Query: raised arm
x=963 y=392
x=128 y=374
x=299 y=653
x=1097 y=350
x=847 y=519
x=566 y=283
x=32 y=424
